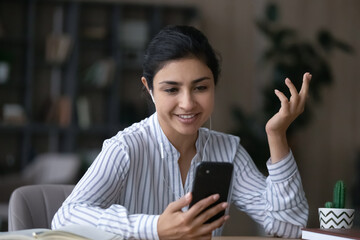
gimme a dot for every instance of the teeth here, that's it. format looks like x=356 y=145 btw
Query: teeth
x=186 y=116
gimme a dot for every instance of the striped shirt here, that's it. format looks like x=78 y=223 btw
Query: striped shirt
x=136 y=175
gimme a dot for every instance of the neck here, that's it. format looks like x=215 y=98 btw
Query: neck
x=182 y=143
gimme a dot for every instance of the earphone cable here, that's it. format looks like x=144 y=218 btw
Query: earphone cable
x=163 y=163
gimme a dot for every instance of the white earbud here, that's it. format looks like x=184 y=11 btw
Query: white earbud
x=207 y=140
x=152 y=97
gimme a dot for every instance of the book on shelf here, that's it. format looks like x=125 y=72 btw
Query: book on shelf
x=58 y=47
x=101 y=73
x=73 y=232
x=58 y=111
x=330 y=234
x=83 y=112
x=14 y=114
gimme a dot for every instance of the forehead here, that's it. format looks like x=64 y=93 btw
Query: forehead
x=183 y=70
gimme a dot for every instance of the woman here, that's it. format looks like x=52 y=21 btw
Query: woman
x=139 y=185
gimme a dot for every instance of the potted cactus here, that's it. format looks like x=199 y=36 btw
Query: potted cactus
x=335 y=215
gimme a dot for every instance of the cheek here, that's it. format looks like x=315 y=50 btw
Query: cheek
x=164 y=104
x=208 y=101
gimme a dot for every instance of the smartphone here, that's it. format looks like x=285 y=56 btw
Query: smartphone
x=212 y=178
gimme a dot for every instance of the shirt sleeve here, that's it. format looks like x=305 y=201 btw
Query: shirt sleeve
x=277 y=202
x=94 y=200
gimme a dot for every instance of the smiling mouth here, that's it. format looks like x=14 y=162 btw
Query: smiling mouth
x=187 y=116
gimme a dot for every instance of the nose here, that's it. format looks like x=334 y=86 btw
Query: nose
x=187 y=101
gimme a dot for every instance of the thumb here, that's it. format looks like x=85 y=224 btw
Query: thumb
x=182 y=202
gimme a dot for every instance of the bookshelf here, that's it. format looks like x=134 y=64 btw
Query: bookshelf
x=75 y=69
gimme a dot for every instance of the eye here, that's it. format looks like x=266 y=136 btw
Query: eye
x=171 y=90
x=201 y=88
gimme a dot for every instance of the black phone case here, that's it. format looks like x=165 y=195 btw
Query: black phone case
x=212 y=178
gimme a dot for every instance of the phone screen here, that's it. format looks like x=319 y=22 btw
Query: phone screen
x=212 y=178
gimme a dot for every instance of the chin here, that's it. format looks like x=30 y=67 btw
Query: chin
x=188 y=131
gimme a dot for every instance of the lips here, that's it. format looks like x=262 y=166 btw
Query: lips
x=187 y=118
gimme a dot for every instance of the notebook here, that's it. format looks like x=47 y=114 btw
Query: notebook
x=330 y=234
x=73 y=232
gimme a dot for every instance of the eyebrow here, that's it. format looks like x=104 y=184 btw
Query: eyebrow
x=177 y=83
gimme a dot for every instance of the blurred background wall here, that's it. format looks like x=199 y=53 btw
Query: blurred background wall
x=326 y=149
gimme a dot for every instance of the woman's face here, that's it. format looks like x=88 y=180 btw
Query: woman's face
x=183 y=92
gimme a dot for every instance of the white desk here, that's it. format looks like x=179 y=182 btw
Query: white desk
x=248 y=238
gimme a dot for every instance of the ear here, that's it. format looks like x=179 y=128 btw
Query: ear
x=144 y=82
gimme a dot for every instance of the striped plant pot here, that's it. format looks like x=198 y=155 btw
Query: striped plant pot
x=336 y=217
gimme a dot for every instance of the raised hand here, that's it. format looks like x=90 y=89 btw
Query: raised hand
x=290 y=109
x=176 y=224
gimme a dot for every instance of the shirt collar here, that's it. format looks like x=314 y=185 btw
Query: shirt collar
x=164 y=144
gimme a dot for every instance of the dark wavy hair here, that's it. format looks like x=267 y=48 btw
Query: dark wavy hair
x=174 y=43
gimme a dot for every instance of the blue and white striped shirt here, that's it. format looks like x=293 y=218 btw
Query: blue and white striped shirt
x=136 y=176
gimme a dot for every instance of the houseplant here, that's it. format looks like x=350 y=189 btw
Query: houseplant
x=334 y=214
x=289 y=55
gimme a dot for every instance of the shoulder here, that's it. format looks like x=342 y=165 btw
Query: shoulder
x=221 y=136
x=134 y=135
x=219 y=145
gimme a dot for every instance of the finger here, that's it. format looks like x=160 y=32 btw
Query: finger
x=214 y=225
x=305 y=85
x=291 y=87
x=219 y=222
x=281 y=96
x=284 y=100
x=196 y=209
x=179 y=204
x=202 y=218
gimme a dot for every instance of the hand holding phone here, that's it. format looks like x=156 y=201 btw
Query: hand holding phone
x=173 y=223
x=212 y=178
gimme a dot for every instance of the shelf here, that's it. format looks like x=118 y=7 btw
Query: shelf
x=12 y=85
x=7 y=128
x=39 y=128
x=12 y=42
x=101 y=129
x=94 y=28
x=34 y=128
x=89 y=88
